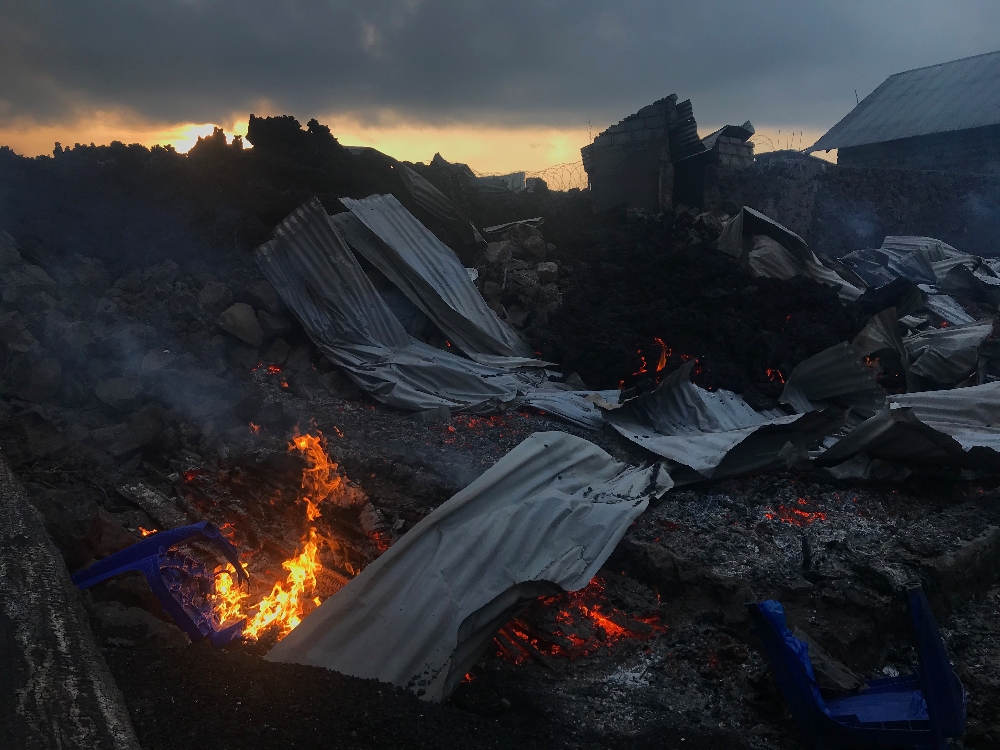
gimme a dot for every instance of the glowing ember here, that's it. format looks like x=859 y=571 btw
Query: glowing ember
x=584 y=623
x=292 y=599
x=273 y=369
x=775 y=375
x=795 y=516
x=665 y=353
x=146 y=532
x=254 y=428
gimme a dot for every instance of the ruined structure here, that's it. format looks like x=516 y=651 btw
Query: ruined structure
x=654 y=159
x=632 y=162
x=943 y=117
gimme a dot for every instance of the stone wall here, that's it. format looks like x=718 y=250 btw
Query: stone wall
x=976 y=150
x=839 y=209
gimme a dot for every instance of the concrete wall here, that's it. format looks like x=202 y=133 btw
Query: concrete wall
x=976 y=150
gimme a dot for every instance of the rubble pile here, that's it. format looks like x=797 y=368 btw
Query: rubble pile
x=518 y=276
x=763 y=431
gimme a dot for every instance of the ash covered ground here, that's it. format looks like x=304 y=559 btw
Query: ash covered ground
x=117 y=373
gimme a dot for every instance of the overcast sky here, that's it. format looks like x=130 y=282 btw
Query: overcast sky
x=543 y=63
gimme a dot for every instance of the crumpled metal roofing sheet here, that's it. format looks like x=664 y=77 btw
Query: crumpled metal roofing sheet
x=314 y=271
x=947 y=355
x=700 y=429
x=430 y=274
x=541 y=520
x=310 y=264
x=950 y=96
x=955 y=427
x=836 y=375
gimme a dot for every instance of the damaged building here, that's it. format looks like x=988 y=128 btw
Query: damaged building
x=654 y=159
x=943 y=117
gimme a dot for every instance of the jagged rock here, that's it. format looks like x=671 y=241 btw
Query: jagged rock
x=163 y=275
x=340 y=385
x=81 y=529
x=14 y=335
x=492 y=291
x=299 y=360
x=155 y=361
x=129 y=625
x=184 y=306
x=532 y=249
x=240 y=321
x=68 y=339
x=516 y=315
x=215 y=297
x=547 y=272
x=121 y=394
x=262 y=294
x=141 y=428
x=273 y=324
x=273 y=417
x=9 y=255
x=497 y=252
x=278 y=352
x=34 y=376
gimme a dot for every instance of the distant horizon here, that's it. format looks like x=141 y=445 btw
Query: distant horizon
x=485 y=150
x=499 y=86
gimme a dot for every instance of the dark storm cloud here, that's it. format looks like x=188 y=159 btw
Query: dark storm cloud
x=504 y=63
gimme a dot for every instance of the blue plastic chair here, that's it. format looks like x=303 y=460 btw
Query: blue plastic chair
x=182 y=584
x=916 y=711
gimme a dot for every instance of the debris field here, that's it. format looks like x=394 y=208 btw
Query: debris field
x=505 y=472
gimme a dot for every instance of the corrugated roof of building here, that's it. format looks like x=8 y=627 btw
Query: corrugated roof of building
x=956 y=95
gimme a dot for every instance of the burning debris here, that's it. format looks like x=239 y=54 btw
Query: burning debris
x=540 y=521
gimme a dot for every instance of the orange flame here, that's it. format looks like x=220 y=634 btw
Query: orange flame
x=254 y=428
x=292 y=599
x=146 y=532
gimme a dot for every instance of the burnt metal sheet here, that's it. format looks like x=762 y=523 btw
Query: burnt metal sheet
x=714 y=433
x=836 y=376
x=940 y=98
x=540 y=521
x=743 y=132
x=769 y=249
x=945 y=356
x=318 y=277
x=958 y=427
x=429 y=273
x=310 y=264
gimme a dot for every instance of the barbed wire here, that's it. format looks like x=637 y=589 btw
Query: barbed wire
x=570 y=174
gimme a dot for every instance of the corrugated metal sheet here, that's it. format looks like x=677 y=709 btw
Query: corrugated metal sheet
x=937 y=99
x=715 y=433
x=318 y=277
x=683 y=135
x=955 y=427
x=834 y=376
x=429 y=273
x=541 y=520
x=310 y=264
